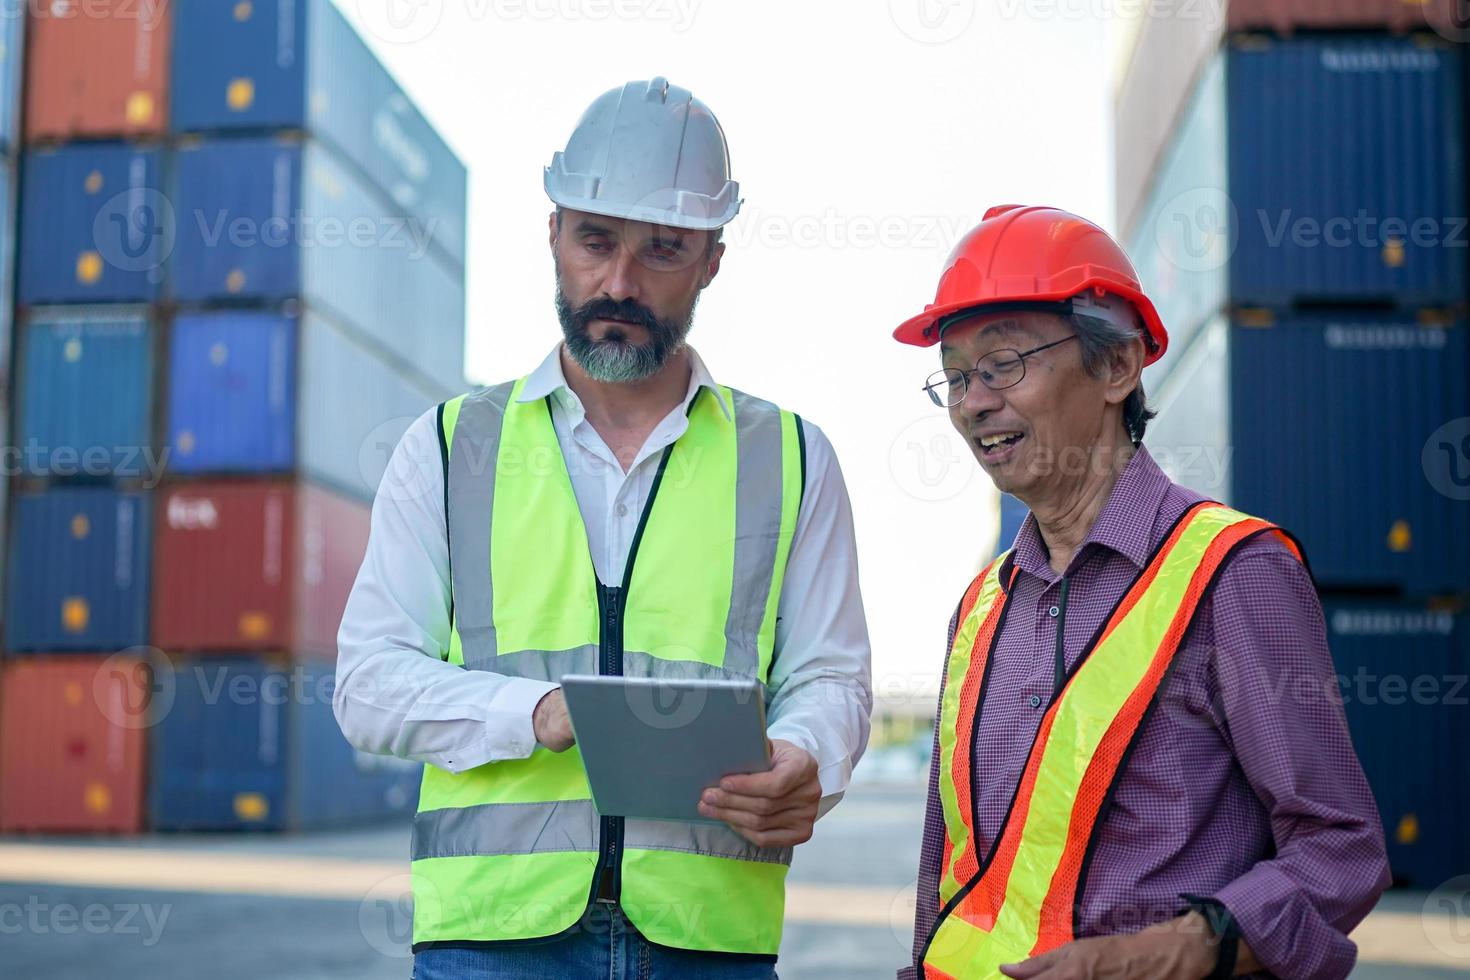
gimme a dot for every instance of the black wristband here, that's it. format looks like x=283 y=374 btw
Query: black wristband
x=1227 y=933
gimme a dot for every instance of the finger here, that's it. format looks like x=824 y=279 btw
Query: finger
x=759 y=804
x=1035 y=966
x=742 y=819
x=758 y=807
x=776 y=782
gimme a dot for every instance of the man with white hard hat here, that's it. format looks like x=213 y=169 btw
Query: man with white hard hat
x=721 y=546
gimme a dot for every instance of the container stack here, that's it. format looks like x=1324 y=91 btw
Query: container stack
x=241 y=276
x=1298 y=215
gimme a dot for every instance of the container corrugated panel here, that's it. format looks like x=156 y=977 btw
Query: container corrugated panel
x=257 y=392
x=307 y=227
x=250 y=565
x=297 y=64
x=1340 y=407
x=1171 y=51
x=1324 y=423
x=97 y=69
x=334 y=784
x=71 y=744
x=7 y=257
x=216 y=758
x=1181 y=244
x=93 y=225
x=1402 y=673
x=1347 y=170
x=78 y=573
x=1397 y=15
x=232 y=392
x=86 y=384
x=250 y=744
x=12 y=63
x=353 y=409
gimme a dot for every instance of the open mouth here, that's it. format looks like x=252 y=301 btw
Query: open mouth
x=998 y=446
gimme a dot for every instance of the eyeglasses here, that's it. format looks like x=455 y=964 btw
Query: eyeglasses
x=999 y=369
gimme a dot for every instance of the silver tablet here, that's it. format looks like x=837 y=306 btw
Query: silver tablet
x=652 y=746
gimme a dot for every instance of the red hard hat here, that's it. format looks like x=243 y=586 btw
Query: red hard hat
x=1021 y=255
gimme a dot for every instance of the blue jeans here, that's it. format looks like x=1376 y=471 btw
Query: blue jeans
x=603 y=945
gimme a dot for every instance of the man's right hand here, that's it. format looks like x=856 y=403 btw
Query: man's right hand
x=551 y=723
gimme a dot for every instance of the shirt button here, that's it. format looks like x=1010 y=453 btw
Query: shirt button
x=1035 y=701
x=1053 y=612
x=622 y=510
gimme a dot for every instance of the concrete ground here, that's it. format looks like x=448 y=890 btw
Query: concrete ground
x=330 y=905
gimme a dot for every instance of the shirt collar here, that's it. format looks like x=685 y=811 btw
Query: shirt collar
x=1125 y=524
x=549 y=379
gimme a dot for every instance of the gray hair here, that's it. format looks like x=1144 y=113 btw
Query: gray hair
x=1099 y=338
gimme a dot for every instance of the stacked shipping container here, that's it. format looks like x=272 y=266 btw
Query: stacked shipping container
x=241 y=272
x=1297 y=210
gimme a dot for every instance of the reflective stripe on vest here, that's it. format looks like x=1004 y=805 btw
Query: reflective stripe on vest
x=1019 y=900
x=509 y=850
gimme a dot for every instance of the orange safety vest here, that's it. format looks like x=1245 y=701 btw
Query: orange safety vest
x=1018 y=901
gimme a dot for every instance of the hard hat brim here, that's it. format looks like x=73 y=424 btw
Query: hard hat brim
x=923 y=330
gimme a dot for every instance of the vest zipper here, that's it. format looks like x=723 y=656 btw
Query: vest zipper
x=610 y=662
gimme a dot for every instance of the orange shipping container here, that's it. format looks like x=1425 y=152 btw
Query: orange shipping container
x=243 y=566
x=1445 y=17
x=71 y=743
x=99 y=68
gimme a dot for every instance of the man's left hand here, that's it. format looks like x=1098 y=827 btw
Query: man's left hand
x=1182 y=949
x=776 y=808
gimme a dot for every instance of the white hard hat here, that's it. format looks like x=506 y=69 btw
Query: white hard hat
x=648 y=151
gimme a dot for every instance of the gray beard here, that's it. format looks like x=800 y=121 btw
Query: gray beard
x=618 y=361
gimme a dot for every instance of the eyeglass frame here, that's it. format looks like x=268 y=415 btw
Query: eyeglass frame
x=965 y=375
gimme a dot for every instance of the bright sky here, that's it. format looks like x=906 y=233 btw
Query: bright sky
x=867 y=137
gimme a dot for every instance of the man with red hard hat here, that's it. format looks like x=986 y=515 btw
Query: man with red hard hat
x=1140 y=770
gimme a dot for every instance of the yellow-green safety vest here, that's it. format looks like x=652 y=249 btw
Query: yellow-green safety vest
x=512 y=850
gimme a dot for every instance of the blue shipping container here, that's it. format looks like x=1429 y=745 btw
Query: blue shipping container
x=298 y=64
x=79 y=570
x=271 y=392
x=1326 y=169
x=1013 y=514
x=12 y=57
x=273 y=219
x=86 y=384
x=1402 y=672
x=7 y=256
x=250 y=745
x=232 y=393
x=1328 y=425
x=1347 y=165
x=94 y=225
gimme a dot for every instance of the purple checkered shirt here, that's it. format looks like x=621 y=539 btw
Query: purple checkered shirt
x=1240 y=787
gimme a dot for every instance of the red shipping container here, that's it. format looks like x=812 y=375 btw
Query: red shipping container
x=1286 y=16
x=254 y=565
x=71 y=743
x=97 y=68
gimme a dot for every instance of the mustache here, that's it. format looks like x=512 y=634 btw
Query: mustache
x=629 y=310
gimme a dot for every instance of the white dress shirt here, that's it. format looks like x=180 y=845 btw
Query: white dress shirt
x=395 y=694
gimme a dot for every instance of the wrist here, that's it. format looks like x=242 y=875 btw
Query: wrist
x=1215 y=934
